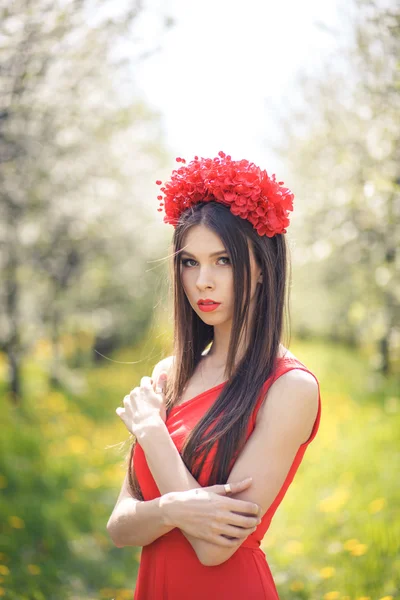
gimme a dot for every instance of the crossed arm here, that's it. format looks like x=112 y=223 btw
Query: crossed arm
x=283 y=424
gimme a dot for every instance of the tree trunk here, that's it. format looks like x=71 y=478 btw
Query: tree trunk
x=12 y=344
x=55 y=377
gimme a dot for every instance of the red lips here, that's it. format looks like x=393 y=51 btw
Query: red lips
x=204 y=307
x=202 y=301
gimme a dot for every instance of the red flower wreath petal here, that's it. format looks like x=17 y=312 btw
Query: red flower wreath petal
x=240 y=185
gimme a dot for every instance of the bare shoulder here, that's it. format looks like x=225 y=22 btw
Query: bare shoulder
x=163 y=365
x=297 y=379
x=292 y=398
x=294 y=384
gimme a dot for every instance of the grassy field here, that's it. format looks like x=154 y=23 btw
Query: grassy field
x=336 y=535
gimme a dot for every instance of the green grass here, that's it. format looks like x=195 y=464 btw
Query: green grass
x=336 y=534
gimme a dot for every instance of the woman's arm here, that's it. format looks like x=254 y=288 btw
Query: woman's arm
x=283 y=424
x=173 y=479
x=206 y=517
x=176 y=476
x=135 y=522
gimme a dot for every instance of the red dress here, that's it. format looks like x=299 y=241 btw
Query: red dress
x=169 y=568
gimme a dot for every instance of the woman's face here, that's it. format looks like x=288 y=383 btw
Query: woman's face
x=206 y=273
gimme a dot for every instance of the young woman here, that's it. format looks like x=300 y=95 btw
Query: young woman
x=218 y=442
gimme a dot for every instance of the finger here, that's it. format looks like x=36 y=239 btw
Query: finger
x=243 y=521
x=247 y=509
x=235 y=486
x=237 y=532
x=230 y=529
x=241 y=485
x=159 y=387
x=127 y=405
x=161 y=382
x=120 y=411
x=146 y=382
x=238 y=506
x=242 y=507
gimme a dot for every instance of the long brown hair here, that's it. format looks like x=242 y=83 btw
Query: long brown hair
x=225 y=422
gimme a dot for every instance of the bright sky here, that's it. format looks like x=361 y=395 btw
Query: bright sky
x=226 y=68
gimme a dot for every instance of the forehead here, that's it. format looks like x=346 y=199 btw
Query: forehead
x=203 y=241
x=200 y=237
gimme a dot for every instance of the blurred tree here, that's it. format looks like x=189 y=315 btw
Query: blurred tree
x=75 y=145
x=342 y=148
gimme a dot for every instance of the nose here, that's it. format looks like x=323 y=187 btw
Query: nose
x=204 y=279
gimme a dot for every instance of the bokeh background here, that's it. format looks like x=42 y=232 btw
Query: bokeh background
x=97 y=98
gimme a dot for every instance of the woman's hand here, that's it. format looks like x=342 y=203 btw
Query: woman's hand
x=145 y=405
x=208 y=514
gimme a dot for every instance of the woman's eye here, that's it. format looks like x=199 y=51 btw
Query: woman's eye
x=185 y=261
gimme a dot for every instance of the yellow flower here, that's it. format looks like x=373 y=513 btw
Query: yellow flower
x=3 y=482
x=4 y=570
x=331 y=595
x=386 y=598
x=107 y=592
x=295 y=586
x=335 y=502
x=77 y=444
x=34 y=569
x=326 y=572
x=359 y=550
x=124 y=594
x=350 y=544
x=16 y=522
x=376 y=505
x=294 y=547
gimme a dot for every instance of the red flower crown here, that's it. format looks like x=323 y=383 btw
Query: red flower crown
x=239 y=184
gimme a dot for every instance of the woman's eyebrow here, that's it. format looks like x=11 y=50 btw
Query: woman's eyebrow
x=212 y=254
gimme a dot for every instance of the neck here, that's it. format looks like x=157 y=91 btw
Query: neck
x=217 y=355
